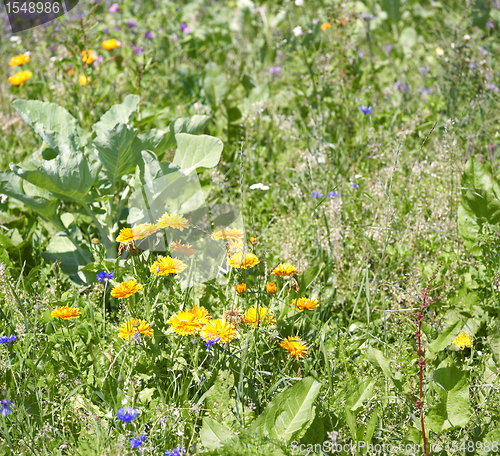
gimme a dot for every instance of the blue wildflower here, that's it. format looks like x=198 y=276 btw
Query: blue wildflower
x=490 y=24
x=209 y=341
x=316 y=194
x=5 y=407
x=366 y=109
x=103 y=276
x=388 y=47
x=127 y=415
x=7 y=340
x=354 y=185
x=424 y=70
x=136 y=442
x=179 y=451
x=333 y=195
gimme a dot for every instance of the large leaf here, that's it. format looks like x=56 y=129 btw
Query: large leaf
x=444 y=339
x=484 y=205
x=479 y=176
x=377 y=358
x=120 y=113
x=494 y=343
x=213 y=434
x=67 y=177
x=12 y=185
x=215 y=84
x=57 y=127
x=151 y=169
x=289 y=412
x=392 y=8
x=197 y=151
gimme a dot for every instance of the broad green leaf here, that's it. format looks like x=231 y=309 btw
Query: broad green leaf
x=392 y=8
x=258 y=94
x=118 y=150
x=213 y=434
x=444 y=339
x=377 y=358
x=154 y=140
x=289 y=412
x=408 y=38
x=215 y=84
x=484 y=205
x=366 y=394
x=494 y=343
x=67 y=177
x=150 y=167
x=120 y=113
x=200 y=151
x=316 y=431
x=220 y=391
x=479 y=176
x=12 y=185
x=468 y=227
x=309 y=275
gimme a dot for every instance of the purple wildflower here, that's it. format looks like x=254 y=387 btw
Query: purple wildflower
x=117 y=29
x=113 y=8
x=179 y=451
x=136 y=442
x=491 y=86
x=103 y=276
x=472 y=65
x=5 y=407
x=401 y=86
x=423 y=91
x=209 y=341
x=366 y=109
x=388 y=47
x=7 y=340
x=131 y=24
x=490 y=24
x=106 y=31
x=148 y=34
x=366 y=16
x=160 y=30
x=354 y=185
x=127 y=415
x=185 y=29
x=175 y=37
x=316 y=194
x=137 y=49
x=483 y=50
x=274 y=70
x=333 y=195
x=360 y=53
x=423 y=71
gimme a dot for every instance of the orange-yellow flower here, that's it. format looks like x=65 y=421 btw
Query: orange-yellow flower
x=221 y=328
x=241 y=287
x=137 y=232
x=89 y=56
x=253 y=240
x=71 y=71
x=175 y=221
x=110 y=44
x=167 y=265
x=65 y=312
x=83 y=80
x=201 y=314
x=295 y=346
x=20 y=59
x=20 y=78
x=284 y=269
x=230 y=233
x=186 y=323
x=325 y=26
x=304 y=304
x=271 y=288
x=178 y=246
x=256 y=315
x=241 y=260
x=135 y=326
x=126 y=289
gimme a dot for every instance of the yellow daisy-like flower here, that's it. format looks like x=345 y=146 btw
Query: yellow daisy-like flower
x=241 y=260
x=241 y=287
x=167 y=265
x=304 y=304
x=178 y=246
x=271 y=288
x=130 y=328
x=89 y=56
x=221 y=328
x=295 y=346
x=175 y=221
x=111 y=44
x=325 y=26
x=439 y=51
x=234 y=245
x=230 y=233
x=256 y=315
x=20 y=59
x=126 y=289
x=253 y=240
x=137 y=232
x=186 y=323
x=201 y=314
x=65 y=312
x=284 y=269
x=20 y=78
x=463 y=340
x=83 y=80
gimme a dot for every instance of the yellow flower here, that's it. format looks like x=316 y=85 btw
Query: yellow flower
x=173 y=221
x=242 y=260
x=253 y=240
x=186 y=323
x=295 y=346
x=201 y=314
x=20 y=59
x=71 y=71
x=110 y=44
x=178 y=246
x=230 y=233
x=167 y=265
x=241 y=288
x=20 y=78
x=134 y=326
x=304 y=304
x=126 y=289
x=136 y=233
x=325 y=26
x=83 y=80
x=256 y=315
x=65 y=312
x=89 y=56
x=284 y=269
x=221 y=328
x=463 y=340
x=271 y=288
x=439 y=51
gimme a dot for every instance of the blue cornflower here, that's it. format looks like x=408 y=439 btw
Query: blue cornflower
x=5 y=405
x=366 y=109
x=333 y=194
x=209 y=341
x=316 y=194
x=127 y=415
x=354 y=185
x=7 y=340
x=137 y=442
x=103 y=276
x=179 y=451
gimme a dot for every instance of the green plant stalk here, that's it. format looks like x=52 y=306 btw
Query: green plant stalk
x=110 y=246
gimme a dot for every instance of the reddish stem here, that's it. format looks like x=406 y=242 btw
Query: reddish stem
x=421 y=364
